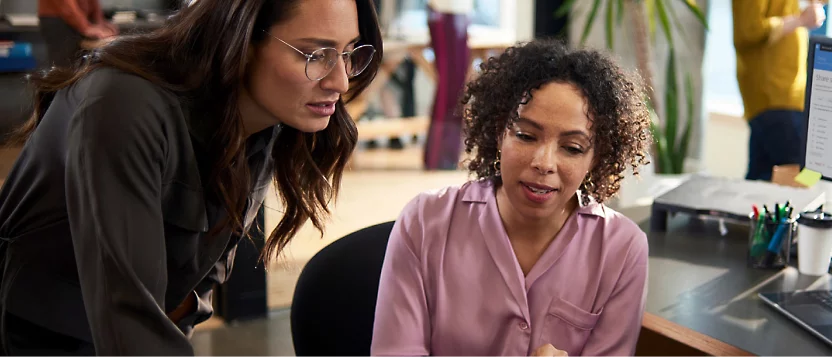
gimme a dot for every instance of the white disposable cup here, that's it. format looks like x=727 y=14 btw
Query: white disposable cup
x=814 y=243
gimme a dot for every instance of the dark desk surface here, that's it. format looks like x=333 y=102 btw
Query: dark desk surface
x=700 y=280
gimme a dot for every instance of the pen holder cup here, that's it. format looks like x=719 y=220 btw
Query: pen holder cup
x=769 y=242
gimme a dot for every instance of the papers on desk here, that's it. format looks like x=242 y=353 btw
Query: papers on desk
x=124 y=17
x=22 y=19
x=733 y=198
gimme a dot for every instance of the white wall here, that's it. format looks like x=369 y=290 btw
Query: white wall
x=524 y=15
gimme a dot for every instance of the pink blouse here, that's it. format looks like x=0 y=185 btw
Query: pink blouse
x=451 y=284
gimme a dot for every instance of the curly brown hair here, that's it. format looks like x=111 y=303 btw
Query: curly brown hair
x=616 y=107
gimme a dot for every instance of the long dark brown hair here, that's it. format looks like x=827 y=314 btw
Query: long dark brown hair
x=201 y=54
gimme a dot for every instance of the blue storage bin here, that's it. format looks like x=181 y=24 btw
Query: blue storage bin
x=16 y=57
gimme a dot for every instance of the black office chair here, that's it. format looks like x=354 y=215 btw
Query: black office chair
x=335 y=298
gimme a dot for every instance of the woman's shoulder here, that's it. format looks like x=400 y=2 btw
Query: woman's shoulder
x=124 y=89
x=441 y=202
x=122 y=103
x=453 y=194
x=620 y=230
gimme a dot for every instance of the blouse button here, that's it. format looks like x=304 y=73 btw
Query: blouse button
x=524 y=325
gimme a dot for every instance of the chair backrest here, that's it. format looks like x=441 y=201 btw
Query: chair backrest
x=334 y=304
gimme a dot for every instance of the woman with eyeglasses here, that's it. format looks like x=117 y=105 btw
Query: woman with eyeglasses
x=144 y=166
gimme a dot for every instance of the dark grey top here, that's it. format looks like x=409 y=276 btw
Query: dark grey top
x=104 y=219
x=700 y=280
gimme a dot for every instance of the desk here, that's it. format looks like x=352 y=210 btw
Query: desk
x=699 y=280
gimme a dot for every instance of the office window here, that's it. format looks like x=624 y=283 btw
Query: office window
x=721 y=92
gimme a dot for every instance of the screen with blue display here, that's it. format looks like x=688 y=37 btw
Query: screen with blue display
x=819 y=131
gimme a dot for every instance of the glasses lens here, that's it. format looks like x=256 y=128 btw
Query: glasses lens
x=360 y=59
x=321 y=62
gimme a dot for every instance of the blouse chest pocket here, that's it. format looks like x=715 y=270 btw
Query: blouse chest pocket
x=184 y=206
x=568 y=327
x=186 y=220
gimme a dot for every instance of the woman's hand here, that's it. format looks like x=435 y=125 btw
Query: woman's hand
x=96 y=32
x=549 y=350
x=813 y=16
x=113 y=29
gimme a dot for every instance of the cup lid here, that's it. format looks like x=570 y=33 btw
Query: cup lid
x=818 y=219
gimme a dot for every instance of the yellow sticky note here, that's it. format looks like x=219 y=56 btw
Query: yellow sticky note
x=807 y=177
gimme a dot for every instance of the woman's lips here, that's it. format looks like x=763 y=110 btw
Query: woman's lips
x=322 y=108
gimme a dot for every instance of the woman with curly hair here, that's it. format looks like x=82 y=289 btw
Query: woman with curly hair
x=527 y=259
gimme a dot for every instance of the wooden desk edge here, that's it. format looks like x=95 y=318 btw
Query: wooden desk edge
x=654 y=327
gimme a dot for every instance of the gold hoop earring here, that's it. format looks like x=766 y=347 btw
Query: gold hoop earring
x=496 y=164
x=588 y=185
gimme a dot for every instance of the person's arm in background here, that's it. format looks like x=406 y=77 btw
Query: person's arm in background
x=618 y=328
x=115 y=157
x=402 y=320
x=100 y=20
x=752 y=28
x=71 y=13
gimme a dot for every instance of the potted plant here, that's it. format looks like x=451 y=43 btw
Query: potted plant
x=673 y=116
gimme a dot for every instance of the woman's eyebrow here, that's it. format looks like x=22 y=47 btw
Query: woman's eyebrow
x=528 y=121
x=575 y=133
x=325 y=42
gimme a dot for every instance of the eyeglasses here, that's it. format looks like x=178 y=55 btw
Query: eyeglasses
x=320 y=62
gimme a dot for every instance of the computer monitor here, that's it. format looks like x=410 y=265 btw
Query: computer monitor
x=817 y=150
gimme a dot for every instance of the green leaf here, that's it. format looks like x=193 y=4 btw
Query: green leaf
x=675 y=20
x=650 y=9
x=664 y=162
x=691 y=4
x=610 y=25
x=564 y=9
x=671 y=92
x=682 y=152
x=590 y=19
x=665 y=22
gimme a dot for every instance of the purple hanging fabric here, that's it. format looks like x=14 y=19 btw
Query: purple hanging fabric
x=449 y=39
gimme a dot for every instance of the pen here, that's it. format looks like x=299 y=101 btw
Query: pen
x=758 y=246
x=776 y=212
x=774 y=245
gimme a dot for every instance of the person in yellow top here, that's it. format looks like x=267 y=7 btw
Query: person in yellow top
x=771 y=40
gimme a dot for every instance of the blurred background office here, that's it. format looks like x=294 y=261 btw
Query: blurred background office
x=691 y=67
x=64 y=24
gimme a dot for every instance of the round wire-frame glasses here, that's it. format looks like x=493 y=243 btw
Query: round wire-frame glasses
x=320 y=62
